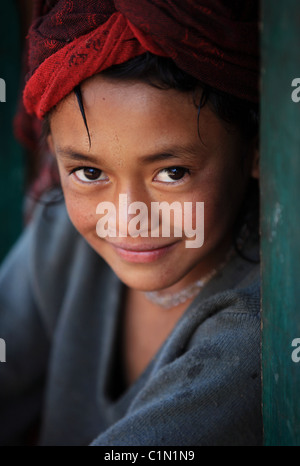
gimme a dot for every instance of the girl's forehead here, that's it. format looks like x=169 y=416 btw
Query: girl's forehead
x=138 y=95
x=134 y=121
x=140 y=119
x=128 y=107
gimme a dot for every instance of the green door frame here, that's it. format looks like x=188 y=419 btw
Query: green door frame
x=280 y=222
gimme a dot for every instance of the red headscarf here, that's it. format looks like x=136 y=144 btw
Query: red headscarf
x=216 y=41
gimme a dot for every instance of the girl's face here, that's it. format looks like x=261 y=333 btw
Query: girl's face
x=145 y=144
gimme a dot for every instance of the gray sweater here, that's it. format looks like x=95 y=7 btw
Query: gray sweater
x=61 y=318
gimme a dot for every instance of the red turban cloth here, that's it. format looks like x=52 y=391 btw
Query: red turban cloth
x=215 y=41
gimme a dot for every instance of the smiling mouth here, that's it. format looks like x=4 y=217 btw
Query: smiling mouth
x=142 y=253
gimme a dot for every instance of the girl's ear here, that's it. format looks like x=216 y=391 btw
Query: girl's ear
x=255 y=165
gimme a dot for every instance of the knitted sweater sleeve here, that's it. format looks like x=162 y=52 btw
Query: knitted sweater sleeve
x=26 y=325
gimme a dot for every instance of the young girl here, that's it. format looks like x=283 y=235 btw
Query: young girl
x=122 y=339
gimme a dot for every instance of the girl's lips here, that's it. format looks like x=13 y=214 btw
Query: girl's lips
x=142 y=255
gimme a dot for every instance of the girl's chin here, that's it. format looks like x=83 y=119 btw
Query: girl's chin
x=145 y=285
x=151 y=280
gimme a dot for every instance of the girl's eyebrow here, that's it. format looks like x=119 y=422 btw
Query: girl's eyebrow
x=187 y=153
x=69 y=153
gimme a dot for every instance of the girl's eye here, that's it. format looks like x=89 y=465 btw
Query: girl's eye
x=89 y=175
x=172 y=174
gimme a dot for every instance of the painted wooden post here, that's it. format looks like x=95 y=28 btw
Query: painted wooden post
x=11 y=158
x=280 y=181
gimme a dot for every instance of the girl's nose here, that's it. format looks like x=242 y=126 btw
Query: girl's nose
x=133 y=212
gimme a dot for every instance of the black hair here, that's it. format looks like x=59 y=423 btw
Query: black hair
x=163 y=73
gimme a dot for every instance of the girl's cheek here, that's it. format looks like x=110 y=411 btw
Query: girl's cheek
x=219 y=211
x=82 y=214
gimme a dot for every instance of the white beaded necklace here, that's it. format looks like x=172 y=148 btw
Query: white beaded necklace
x=169 y=300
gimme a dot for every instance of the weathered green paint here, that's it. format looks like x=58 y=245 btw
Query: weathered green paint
x=280 y=182
x=11 y=159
